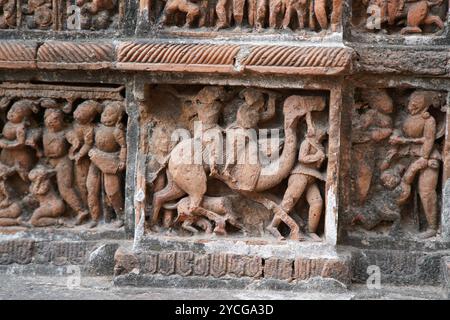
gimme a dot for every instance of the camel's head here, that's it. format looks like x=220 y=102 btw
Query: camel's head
x=296 y=107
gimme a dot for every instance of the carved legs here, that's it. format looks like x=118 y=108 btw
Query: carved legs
x=170 y=192
x=93 y=183
x=222 y=21
x=64 y=179
x=428 y=180
x=47 y=214
x=9 y=216
x=321 y=13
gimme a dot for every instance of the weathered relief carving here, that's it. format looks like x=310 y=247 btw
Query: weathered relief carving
x=8 y=14
x=400 y=16
x=57 y=15
x=62 y=155
x=39 y=14
x=248 y=15
x=227 y=160
x=397 y=143
x=93 y=15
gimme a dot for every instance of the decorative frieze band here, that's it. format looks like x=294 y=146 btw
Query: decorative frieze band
x=177 y=57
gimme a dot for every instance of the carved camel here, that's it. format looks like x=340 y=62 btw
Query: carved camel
x=184 y=177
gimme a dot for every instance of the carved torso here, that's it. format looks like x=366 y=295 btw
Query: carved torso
x=413 y=126
x=105 y=139
x=55 y=144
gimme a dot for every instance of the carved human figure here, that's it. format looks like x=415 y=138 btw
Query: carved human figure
x=383 y=206
x=56 y=149
x=20 y=136
x=208 y=105
x=303 y=179
x=50 y=205
x=416 y=141
x=251 y=112
x=370 y=126
x=108 y=160
x=81 y=139
x=10 y=210
x=8 y=18
x=192 y=11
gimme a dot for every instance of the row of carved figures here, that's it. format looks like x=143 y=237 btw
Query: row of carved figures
x=186 y=181
x=259 y=14
x=62 y=165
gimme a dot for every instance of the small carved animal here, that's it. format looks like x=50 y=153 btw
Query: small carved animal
x=219 y=205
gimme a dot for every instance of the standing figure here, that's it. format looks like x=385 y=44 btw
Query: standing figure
x=417 y=141
x=10 y=211
x=241 y=136
x=56 y=151
x=303 y=178
x=51 y=206
x=81 y=139
x=369 y=129
x=295 y=6
x=20 y=136
x=108 y=160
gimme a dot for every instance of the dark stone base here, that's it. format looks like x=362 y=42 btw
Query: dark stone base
x=52 y=251
x=401 y=262
x=229 y=263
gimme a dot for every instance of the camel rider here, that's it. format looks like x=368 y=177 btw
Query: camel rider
x=241 y=136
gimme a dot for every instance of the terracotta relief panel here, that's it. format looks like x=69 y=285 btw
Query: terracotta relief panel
x=63 y=156
x=235 y=161
x=243 y=16
x=397 y=150
x=68 y=15
x=402 y=17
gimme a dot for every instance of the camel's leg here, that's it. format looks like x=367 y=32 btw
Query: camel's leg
x=170 y=192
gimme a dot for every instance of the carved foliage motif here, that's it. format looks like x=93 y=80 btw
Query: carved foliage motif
x=398 y=152
x=62 y=155
x=239 y=171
